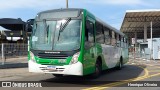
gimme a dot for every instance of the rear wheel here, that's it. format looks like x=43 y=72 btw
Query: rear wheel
x=98 y=70
x=120 y=64
x=58 y=75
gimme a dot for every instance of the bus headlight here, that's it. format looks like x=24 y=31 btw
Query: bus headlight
x=75 y=58
x=32 y=57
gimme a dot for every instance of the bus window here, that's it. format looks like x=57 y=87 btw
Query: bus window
x=125 y=42
x=113 y=38
x=117 y=37
x=107 y=36
x=120 y=38
x=123 y=39
x=89 y=37
x=122 y=42
x=118 y=41
x=99 y=33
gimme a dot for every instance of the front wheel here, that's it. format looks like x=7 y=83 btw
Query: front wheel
x=98 y=69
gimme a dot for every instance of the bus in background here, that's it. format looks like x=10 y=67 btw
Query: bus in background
x=74 y=42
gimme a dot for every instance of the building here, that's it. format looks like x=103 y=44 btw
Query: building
x=142 y=25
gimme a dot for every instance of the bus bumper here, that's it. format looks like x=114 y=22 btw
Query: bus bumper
x=73 y=69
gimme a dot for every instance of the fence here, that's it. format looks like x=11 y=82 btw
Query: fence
x=139 y=55
x=11 y=52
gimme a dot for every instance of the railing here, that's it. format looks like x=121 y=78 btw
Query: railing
x=139 y=55
x=8 y=51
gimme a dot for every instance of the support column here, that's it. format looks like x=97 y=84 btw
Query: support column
x=135 y=38
x=66 y=3
x=151 y=42
x=145 y=32
x=2 y=51
x=135 y=45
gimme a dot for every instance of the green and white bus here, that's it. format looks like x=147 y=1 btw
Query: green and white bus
x=74 y=42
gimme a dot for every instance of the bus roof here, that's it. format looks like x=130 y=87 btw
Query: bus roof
x=62 y=9
x=107 y=25
x=110 y=27
x=80 y=10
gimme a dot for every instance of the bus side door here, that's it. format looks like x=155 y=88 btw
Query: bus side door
x=89 y=52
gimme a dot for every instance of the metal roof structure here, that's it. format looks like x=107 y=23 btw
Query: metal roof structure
x=135 y=20
x=12 y=24
x=12 y=33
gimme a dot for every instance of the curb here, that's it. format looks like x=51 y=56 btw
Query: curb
x=15 y=65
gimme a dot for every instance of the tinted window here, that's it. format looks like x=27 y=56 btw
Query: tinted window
x=99 y=33
x=113 y=38
x=107 y=36
x=89 y=31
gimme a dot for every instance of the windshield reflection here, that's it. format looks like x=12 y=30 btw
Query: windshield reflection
x=62 y=35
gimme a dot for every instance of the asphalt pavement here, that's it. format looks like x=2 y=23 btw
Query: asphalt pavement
x=134 y=70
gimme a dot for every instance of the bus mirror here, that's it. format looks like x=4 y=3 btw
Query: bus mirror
x=29 y=25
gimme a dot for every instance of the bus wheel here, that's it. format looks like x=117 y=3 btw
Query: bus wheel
x=98 y=69
x=120 y=65
x=58 y=75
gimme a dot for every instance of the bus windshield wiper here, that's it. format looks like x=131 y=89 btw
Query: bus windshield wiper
x=62 y=27
x=65 y=24
x=46 y=27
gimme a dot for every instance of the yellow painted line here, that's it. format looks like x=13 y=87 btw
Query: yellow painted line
x=154 y=71
x=119 y=83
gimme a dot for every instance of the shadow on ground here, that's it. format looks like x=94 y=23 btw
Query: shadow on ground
x=108 y=76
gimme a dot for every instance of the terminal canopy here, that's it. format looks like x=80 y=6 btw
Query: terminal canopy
x=139 y=22
x=12 y=24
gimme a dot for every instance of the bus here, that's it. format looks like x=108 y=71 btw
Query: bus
x=74 y=42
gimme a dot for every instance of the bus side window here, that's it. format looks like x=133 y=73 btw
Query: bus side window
x=113 y=38
x=119 y=40
x=107 y=36
x=99 y=33
x=122 y=42
x=89 y=34
x=126 y=42
x=115 y=44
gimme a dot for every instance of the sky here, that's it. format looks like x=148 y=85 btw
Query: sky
x=110 y=11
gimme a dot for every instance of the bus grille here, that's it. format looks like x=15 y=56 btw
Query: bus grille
x=52 y=56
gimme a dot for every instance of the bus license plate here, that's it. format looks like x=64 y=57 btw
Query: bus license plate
x=51 y=67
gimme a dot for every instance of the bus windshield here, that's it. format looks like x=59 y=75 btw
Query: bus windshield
x=58 y=35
